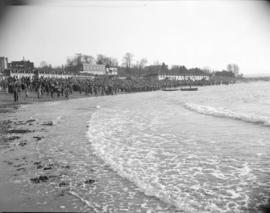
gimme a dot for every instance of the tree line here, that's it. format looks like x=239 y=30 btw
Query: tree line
x=138 y=68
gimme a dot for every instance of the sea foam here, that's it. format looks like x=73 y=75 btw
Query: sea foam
x=111 y=152
x=225 y=113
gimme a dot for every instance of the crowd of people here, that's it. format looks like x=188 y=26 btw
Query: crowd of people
x=57 y=87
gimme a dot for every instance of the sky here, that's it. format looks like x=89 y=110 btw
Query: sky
x=208 y=33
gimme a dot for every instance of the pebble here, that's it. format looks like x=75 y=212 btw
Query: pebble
x=89 y=181
x=48 y=123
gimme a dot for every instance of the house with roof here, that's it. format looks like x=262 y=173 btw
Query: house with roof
x=98 y=69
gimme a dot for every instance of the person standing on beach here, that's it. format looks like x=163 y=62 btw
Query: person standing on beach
x=16 y=90
x=52 y=90
x=24 y=89
x=66 y=91
x=39 y=91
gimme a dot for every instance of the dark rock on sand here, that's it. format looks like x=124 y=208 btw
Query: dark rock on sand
x=21 y=169
x=30 y=121
x=19 y=165
x=90 y=181
x=19 y=131
x=20 y=123
x=38 y=138
x=22 y=143
x=38 y=164
x=39 y=167
x=12 y=138
x=49 y=167
x=41 y=178
x=48 y=123
x=63 y=184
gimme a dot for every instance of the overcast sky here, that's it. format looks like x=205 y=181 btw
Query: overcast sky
x=207 y=33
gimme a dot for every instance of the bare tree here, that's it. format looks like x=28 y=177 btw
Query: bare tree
x=234 y=68
x=207 y=69
x=75 y=63
x=164 y=68
x=87 y=59
x=128 y=59
x=102 y=59
x=113 y=62
x=43 y=64
x=142 y=63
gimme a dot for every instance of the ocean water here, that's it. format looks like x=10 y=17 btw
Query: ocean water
x=204 y=151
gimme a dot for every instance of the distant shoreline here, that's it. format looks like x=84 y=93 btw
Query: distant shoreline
x=258 y=78
x=7 y=103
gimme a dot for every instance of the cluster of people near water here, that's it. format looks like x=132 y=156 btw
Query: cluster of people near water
x=60 y=87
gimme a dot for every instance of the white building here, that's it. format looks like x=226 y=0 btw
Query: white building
x=98 y=69
x=40 y=75
x=94 y=69
x=183 y=77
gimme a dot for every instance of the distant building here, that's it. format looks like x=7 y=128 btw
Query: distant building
x=3 y=64
x=21 y=66
x=179 y=77
x=94 y=69
x=161 y=72
x=98 y=69
x=112 y=71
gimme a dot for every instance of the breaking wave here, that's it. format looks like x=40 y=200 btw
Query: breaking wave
x=225 y=113
x=166 y=167
x=112 y=152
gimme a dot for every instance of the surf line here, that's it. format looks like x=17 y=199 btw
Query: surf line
x=86 y=202
x=224 y=113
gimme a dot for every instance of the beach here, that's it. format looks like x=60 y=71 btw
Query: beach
x=44 y=161
x=21 y=160
x=134 y=106
x=142 y=152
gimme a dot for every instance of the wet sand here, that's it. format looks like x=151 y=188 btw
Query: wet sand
x=47 y=163
x=23 y=170
x=21 y=165
x=7 y=103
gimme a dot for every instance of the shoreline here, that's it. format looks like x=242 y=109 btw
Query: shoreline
x=51 y=170
x=19 y=139
x=7 y=103
x=46 y=169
